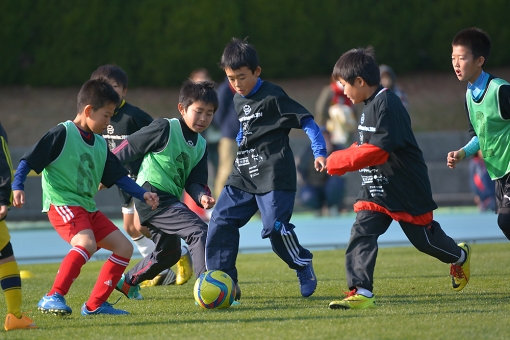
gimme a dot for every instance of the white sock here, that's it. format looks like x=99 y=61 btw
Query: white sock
x=184 y=251
x=462 y=257
x=145 y=245
x=364 y=292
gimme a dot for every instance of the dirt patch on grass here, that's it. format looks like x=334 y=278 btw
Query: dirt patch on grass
x=436 y=103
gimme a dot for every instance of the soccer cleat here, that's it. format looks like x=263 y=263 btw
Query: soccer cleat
x=354 y=301
x=54 y=304
x=131 y=292
x=105 y=308
x=460 y=273
x=184 y=269
x=12 y=322
x=165 y=278
x=237 y=295
x=307 y=280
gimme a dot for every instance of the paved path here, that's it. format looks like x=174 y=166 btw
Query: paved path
x=42 y=244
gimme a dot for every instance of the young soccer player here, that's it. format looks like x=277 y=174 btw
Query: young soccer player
x=395 y=182
x=126 y=120
x=487 y=106
x=10 y=280
x=174 y=159
x=74 y=160
x=264 y=174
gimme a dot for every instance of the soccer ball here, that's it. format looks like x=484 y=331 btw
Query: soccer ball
x=214 y=289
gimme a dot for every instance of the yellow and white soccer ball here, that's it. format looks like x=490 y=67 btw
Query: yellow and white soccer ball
x=214 y=289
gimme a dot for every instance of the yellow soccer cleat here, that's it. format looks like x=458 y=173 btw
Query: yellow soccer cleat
x=354 y=301
x=184 y=269
x=12 y=322
x=165 y=278
x=460 y=273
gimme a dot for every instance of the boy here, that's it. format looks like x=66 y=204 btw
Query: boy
x=74 y=160
x=10 y=280
x=395 y=182
x=126 y=120
x=264 y=174
x=174 y=158
x=487 y=105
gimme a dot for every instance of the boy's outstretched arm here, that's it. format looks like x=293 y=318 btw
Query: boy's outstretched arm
x=469 y=149
x=318 y=146
x=127 y=184
x=18 y=186
x=355 y=157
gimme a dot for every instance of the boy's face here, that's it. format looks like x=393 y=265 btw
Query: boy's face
x=198 y=116
x=121 y=91
x=97 y=120
x=466 y=67
x=354 y=92
x=243 y=80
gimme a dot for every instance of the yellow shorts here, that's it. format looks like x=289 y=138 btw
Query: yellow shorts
x=4 y=235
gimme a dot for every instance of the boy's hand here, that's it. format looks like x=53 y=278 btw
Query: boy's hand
x=101 y=186
x=455 y=157
x=18 y=198
x=207 y=201
x=3 y=211
x=320 y=164
x=152 y=199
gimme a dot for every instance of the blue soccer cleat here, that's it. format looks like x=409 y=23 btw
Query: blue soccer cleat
x=54 y=304
x=307 y=280
x=105 y=308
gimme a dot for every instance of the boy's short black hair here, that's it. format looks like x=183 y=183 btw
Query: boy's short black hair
x=111 y=72
x=201 y=91
x=476 y=40
x=97 y=93
x=358 y=62
x=239 y=53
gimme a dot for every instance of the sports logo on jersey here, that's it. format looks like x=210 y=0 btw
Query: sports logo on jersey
x=363 y=118
x=110 y=130
x=247 y=109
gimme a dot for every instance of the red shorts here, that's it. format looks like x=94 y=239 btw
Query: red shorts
x=70 y=220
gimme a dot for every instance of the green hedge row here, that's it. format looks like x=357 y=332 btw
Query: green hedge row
x=60 y=42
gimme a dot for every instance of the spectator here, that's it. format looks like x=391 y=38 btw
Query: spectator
x=322 y=193
x=389 y=80
x=481 y=184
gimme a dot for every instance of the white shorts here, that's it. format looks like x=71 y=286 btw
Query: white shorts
x=130 y=209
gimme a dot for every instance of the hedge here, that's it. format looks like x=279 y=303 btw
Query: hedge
x=158 y=43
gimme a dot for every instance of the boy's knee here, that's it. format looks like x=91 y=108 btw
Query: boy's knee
x=504 y=222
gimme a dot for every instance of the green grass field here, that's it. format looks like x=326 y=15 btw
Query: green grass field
x=413 y=290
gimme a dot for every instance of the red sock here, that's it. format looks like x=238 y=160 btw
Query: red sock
x=69 y=270
x=108 y=278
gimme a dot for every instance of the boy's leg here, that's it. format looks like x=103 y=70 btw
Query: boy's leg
x=233 y=210
x=432 y=241
x=361 y=252
x=113 y=268
x=10 y=282
x=502 y=188
x=179 y=220
x=165 y=255
x=276 y=210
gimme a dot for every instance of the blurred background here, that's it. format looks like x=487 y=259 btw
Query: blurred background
x=50 y=48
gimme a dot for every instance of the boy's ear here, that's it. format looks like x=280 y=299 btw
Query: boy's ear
x=181 y=108
x=257 y=71
x=88 y=110
x=480 y=61
x=360 y=81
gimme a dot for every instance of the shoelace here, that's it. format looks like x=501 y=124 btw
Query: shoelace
x=456 y=271
x=351 y=293
x=301 y=274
